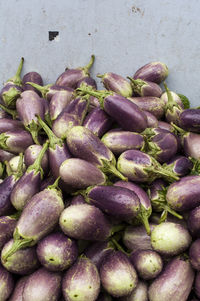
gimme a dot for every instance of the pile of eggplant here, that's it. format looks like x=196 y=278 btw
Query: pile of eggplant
x=99 y=188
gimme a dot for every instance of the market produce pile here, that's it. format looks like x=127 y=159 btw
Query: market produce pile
x=100 y=189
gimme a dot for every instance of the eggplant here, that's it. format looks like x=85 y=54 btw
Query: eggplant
x=128 y=115
x=14 y=163
x=165 y=126
x=71 y=77
x=141 y=167
x=15 y=141
x=84 y=144
x=85 y=222
x=38 y=218
x=180 y=165
x=7 y=226
x=140 y=293
x=17 y=294
x=121 y=141
x=147 y=263
x=29 y=184
x=59 y=101
x=184 y=194
x=196 y=284
x=33 y=77
x=145 y=88
x=170 y=239
x=46 y=182
x=87 y=81
x=57 y=252
x=81 y=282
x=193 y=222
x=5 y=156
x=79 y=174
x=97 y=251
x=77 y=199
x=152 y=121
x=155 y=72
x=7 y=124
x=190 y=120
x=31 y=154
x=6 y=284
x=194 y=254
x=22 y=262
x=116 y=83
x=174 y=283
x=42 y=285
x=153 y=105
x=98 y=122
x=118 y=276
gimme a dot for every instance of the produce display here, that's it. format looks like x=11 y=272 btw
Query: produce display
x=99 y=189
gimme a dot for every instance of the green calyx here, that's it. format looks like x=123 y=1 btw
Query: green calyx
x=2 y=168
x=3 y=140
x=153 y=149
x=98 y=94
x=178 y=130
x=171 y=103
x=13 y=113
x=108 y=167
x=16 y=79
x=53 y=139
x=43 y=89
x=54 y=186
x=34 y=128
x=89 y=65
x=137 y=84
x=143 y=216
x=36 y=166
x=9 y=97
x=196 y=166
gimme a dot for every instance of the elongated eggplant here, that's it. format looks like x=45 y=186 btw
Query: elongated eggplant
x=31 y=154
x=38 y=218
x=6 y=284
x=81 y=282
x=193 y=222
x=140 y=293
x=147 y=263
x=42 y=285
x=29 y=184
x=17 y=294
x=155 y=72
x=33 y=77
x=115 y=264
x=152 y=121
x=85 y=222
x=22 y=262
x=121 y=141
x=194 y=254
x=184 y=194
x=140 y=167
x=116 y=83
x=85 y=145
x=180 y=165
x=59 y=101
x=153 y=105
x=10 y=125
x=145 y=88
x=57 y=252
x=178 y=271
x=15 y=141
x=7 y=226
x=71 y=77
x=87 y=81
x=170 y=239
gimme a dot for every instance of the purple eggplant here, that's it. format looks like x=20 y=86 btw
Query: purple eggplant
x=190 y=120
x=38 y=218
x=10 y=125
x=87 y=81
x=85 y=222
x=47 y=182
x=140 y=167
x=3 y=113
x=77 y=199
x=165 y=126
x=97 y=251
x=7 y=226
x=57 y=252
x=145 y=88
x=152 y=121
x=147 y=263
x=15 y=141
x=197 y=284
x=22 y=262
x=118 y=275
x=17 y=294
x=153 y=105
x=12 y=88
x=140 y=293
x=174 y=283
x=6 y=284
x=121 y=141
x=5 y=156
x=180 y=165
x=33 y=77
x=42 y=285
x=79 y=174
x=155 y=72
x=116 y=83
x=184 y=194
x=71 y=77
x=194 y=254
x=31 y=154
x=170 y=239
x=193 y=222
x=29 y=184
x=98 y=122
x=86 y=145
x=145 y=204
x=136 y=238
x=81 y=281
x=59 y=101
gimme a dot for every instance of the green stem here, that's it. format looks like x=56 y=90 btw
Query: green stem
x=19 y=172
x=144 y=218
x=13 y=113
x=118 y=246
x=170 y=175
x=17 y=245
x=43 y=89
x=118 y=228
x=16 y=79
x=178 y=129
x=163 y=216
x=89 y=65
x=170 y=103
x=55 y=184
x=100 y=75
x=109 y=168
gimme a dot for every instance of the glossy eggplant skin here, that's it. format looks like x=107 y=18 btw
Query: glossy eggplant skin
x=194 y=254
x=193 y=222
x=17 y=294
x=190 y=120
x=154 y=71
x=33 y=77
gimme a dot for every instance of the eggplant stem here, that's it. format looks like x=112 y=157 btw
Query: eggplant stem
x=55 y=184
x=13 y=113
x=17 y=245
x=16 y=79
x=43 y=89
x=118 y=246
x=89 y=65
x=118 y=228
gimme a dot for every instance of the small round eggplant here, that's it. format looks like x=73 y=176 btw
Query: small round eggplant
x=15 y=141
x=42 y=285
x=120 y=141
x=155 y=72
x=118 y=275
x=59 y=101
x=193 y=222
x=7 y=226
x=6 y=284
x=22 y=262
x=190 y=120
x=180 y=165
x=194 y=254
x=33 y=77
x=140 y=293
x=57 y=252
x=88 y=81
x=85 y=222
x=17 y=294
x=116 y=83
x=145 y=88
x=31 y=154
x=170 y=239
x=174 y=283
x=147 y=263
x=81 y=282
